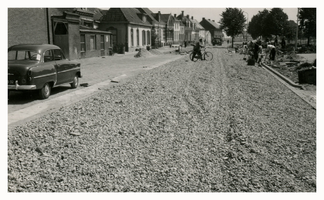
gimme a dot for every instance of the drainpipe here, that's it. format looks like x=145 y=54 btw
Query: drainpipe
x=48 y=26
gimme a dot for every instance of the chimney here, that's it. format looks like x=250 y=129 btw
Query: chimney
x=192 y=17
x=203 y=18
x=213 y=20
x=175 y=15
x=159 y=16
x=182 y=13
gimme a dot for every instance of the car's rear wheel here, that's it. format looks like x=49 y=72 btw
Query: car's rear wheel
x=45 y=92
x=75 y=82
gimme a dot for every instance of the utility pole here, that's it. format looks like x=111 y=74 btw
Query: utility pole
x=297 y=31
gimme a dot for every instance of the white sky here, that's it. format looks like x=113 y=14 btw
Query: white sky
x=215 y=12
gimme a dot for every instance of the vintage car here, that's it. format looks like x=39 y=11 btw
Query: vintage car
x=40 y=67
x=217 y=41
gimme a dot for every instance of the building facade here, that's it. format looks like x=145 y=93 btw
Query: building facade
x=130 y=27
x=213 y=28
x=71 y=29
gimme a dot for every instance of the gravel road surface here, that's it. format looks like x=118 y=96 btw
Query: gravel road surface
x=218 y=126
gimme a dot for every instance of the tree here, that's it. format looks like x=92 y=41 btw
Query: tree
x=276 y=21
x=258 y=27
x=267 y=23
x=290 y=30
x=232 y=22
x=307 y=17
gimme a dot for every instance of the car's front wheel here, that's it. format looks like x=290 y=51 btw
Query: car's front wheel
x=45 y=92
x=75 y=82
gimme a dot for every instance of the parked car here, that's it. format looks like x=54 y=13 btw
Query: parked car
x=217 y=41
x=40 y=67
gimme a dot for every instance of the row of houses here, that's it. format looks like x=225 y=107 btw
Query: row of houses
x=91 y=32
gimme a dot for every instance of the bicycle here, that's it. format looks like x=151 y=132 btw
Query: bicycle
x=205 y=55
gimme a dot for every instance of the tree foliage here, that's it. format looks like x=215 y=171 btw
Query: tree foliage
x=307 y=17
x=232 y=22
x=267 y=23
x=257 y=26
x=290 y=30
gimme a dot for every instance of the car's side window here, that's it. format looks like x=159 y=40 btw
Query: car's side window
x=48 y=56
x=58 y=54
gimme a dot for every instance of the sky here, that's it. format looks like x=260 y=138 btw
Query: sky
x=214 y=13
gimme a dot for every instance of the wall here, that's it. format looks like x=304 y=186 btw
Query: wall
x=74 y=42
x=34 y=32
x=140 y=30
x=121 y=31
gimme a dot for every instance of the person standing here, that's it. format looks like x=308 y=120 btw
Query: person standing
x=197 y=49
x=283 y=43
x=271 y=51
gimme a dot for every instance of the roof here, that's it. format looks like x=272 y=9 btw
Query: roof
x=214 y=24
x=34 y=47
x=150 y=15
x=128 y=15
x=198 y=26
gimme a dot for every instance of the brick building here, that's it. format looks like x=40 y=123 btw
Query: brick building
x=71 y=29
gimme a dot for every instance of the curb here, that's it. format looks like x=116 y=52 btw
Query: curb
x=24 y=115
x=290 y=82
x=299 y=93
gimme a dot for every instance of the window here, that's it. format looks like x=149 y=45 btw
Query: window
x=93 y=44
x=48 y=56
x=58 y=54
x=137 y=35
x=148 y=38
x=82 y=42
x=23 y=55
x=132 y=37
x=102 y=42
x=143 y=38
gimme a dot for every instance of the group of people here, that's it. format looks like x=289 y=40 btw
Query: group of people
x=255 y=51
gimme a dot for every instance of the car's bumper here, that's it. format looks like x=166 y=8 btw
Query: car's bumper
x=21 y=87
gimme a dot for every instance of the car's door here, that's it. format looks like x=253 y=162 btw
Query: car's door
x=45 y=71
x=62 y=66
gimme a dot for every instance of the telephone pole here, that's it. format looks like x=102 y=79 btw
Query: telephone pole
x=297 y=31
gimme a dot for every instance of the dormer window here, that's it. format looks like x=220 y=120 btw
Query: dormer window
x=144 y=18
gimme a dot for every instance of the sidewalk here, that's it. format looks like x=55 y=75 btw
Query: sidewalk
x=98 y=69
x=97 y=73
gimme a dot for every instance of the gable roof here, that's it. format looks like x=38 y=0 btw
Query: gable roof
x=198 y=26
x=212 y=23
x=152 y=17
x=126 y=15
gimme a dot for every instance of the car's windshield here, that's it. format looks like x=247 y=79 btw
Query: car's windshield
x=23 y=55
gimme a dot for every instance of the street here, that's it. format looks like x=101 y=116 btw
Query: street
x=205 y=126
